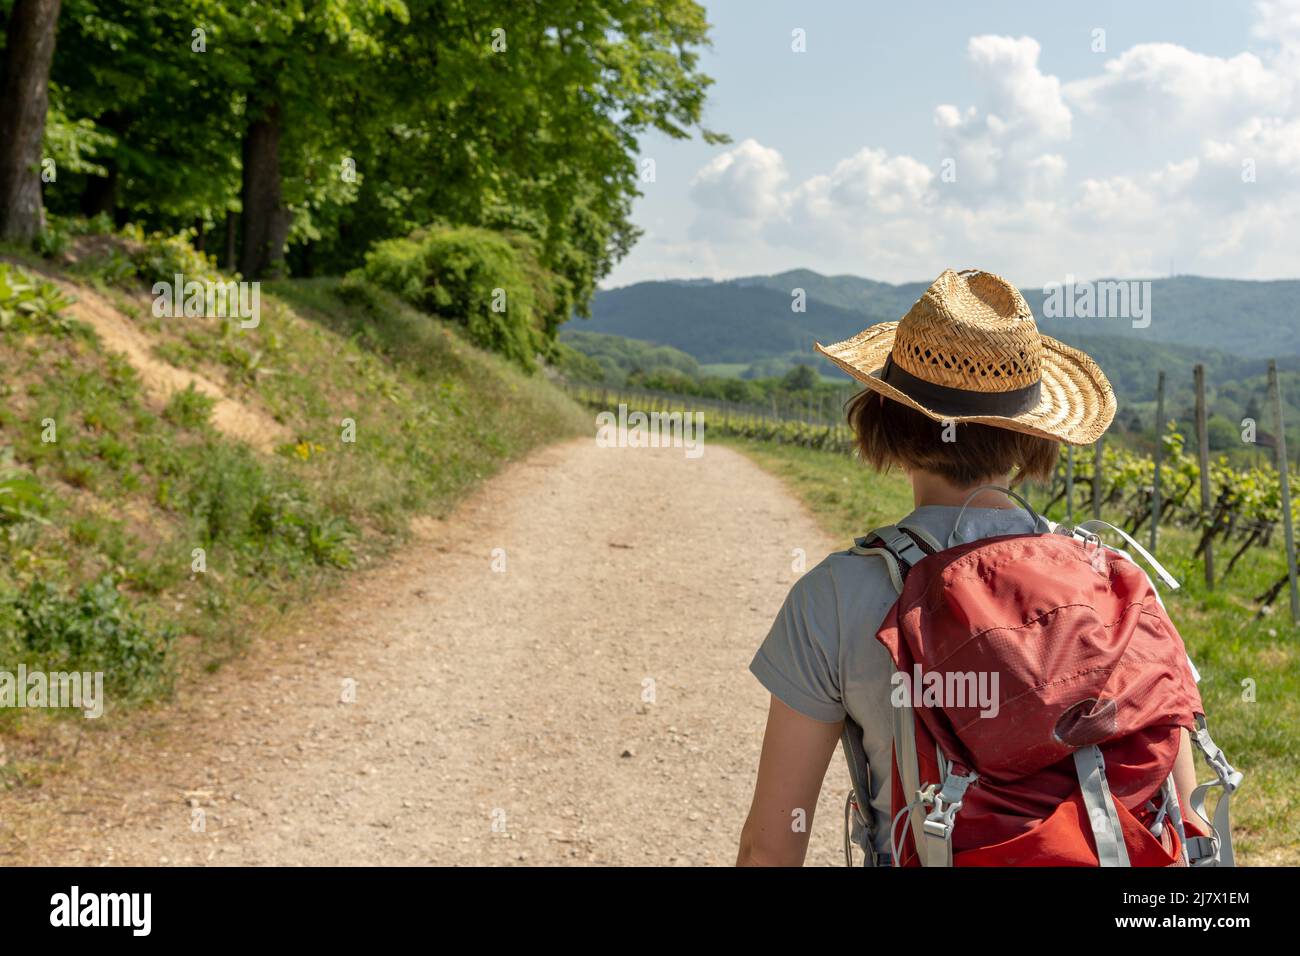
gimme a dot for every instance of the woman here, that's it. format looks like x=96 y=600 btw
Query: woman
x=962 y=392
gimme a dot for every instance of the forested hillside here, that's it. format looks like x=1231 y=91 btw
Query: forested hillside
x=775 y=314
x=278 y=278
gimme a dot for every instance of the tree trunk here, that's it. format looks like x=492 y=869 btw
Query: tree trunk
x=231 y=232
x=24 y=98
x=266 y=219
x=100 y=194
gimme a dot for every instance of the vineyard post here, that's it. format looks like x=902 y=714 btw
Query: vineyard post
x=1160 y=447
x=1096 y=479
x=1069 y=484
x=1275 y=387
x=1203 y=458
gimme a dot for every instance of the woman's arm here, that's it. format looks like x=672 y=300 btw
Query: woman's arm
x=796 y=752
x=1185 y=778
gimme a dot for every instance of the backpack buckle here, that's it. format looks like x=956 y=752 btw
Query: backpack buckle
x=1228 y=775
x=941 y=819
x=945 y=804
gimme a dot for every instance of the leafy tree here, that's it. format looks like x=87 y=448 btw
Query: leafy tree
x=1222 y=434
x=527 y=117
x=799 y=379
x=146 y=98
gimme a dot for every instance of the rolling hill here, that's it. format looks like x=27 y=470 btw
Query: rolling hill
x=745 y=319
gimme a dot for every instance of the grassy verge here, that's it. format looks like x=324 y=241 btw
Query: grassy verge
x=139 y=540
x=1249 y=664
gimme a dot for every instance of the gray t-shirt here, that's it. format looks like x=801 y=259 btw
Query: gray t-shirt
x=821 y=656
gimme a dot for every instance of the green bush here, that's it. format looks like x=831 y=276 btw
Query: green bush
x=21 y=498
x=158 y=257
x=53 y=240
x=575 y=365
x=100 y=224
x=112 y=267
x=235 y=502
x=91 y=629
x=189 y=408
x=28 y=302
x=489 y=282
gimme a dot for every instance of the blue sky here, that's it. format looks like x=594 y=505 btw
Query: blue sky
x=911 y=137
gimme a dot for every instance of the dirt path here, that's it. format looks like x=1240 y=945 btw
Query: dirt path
x=511 y=698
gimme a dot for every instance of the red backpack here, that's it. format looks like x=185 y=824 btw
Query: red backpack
x=1039 y=690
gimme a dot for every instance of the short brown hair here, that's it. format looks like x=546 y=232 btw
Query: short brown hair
x=891 y=434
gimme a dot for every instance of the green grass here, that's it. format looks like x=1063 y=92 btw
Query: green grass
x=185 y=542
x=1239 y=653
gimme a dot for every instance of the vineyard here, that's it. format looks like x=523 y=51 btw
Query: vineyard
x=1245 y=503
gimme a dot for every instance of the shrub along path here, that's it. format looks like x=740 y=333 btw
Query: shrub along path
x=589 y=703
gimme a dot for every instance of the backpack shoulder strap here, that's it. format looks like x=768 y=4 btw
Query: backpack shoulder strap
x=860 y=778
x=902 y=548
x=928 y=542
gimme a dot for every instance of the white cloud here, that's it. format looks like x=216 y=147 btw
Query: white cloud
x=999 y=149
x=1156 y=88
x=1163 y=132
x=871 y=182
x=1277 y=21
x=1022 y=100
x=1271 y=142
x=744 y=183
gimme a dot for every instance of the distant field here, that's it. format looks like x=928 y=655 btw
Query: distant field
x=724 y=369
x=737 y=369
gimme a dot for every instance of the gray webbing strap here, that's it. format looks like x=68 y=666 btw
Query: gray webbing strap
x=1090 y=765
x=1175 y=811
x=909 y=770
x=860 y=776
x=930 y=540
x=1200 y=851
x=904 y=728
x=939 y=822
x=1229 y=779
x=891 y=564
x=902 y=544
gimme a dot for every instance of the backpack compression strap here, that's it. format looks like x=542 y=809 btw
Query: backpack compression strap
x=1090 y=765
x=1217 y=849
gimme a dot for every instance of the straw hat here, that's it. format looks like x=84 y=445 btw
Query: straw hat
x=969 y=351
